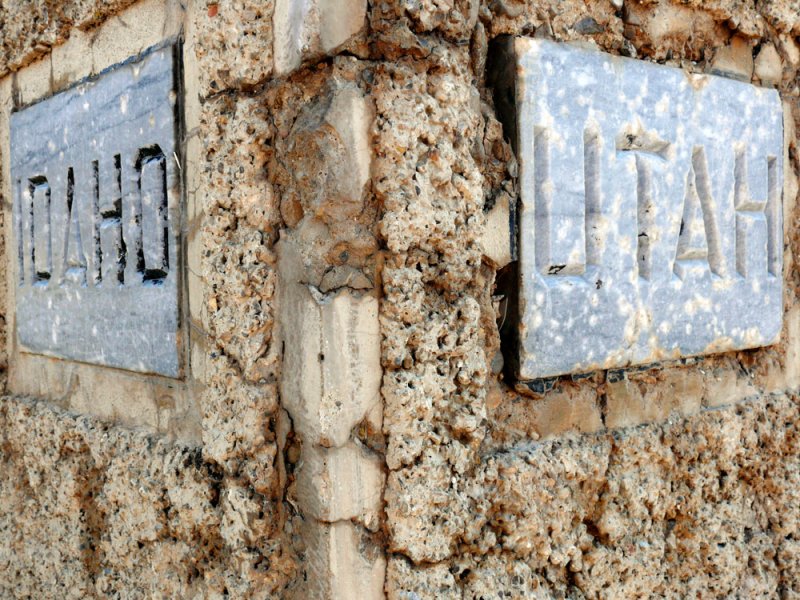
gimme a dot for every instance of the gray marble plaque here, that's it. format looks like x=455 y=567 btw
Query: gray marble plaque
x=651 y=211
x=96 y=196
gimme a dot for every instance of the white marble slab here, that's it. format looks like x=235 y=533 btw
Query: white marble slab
x=651 y=212
x=96 y=193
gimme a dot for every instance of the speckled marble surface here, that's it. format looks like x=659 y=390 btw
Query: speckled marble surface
x=651 y=219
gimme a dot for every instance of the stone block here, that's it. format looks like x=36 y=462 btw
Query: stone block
x=725 y=387
x=330 y=386
x=69 y=60
x=95 y=188
x=496 y=239
x=332 y=372
x=651 y=219
x=341 y=484
x=306 y=29
x=790 y=48
x=768 y=66
x=6 y=106
x=339 y=21
x=146 y=24
x=734 y=60
x=560 y=413
x=343 y=562
x=33 y=82
x=630 y=403
x=234 y=42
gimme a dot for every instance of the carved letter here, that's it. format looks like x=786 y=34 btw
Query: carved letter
x=645 y=217
x=757 y=241
x=152 y=169
x=74 y=260
x=21 y=215
x=775 y=235
x=41 y=249
x=111 y=241
x=698 y=240
x=591 y=181
x=97 y=252
x=560 y=211
x=650 y=150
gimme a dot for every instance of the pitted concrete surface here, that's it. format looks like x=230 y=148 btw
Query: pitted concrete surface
x=96 y=220
x=651 y=222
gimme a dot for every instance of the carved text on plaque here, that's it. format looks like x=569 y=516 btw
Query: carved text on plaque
x=96 y=220
x=651 y=211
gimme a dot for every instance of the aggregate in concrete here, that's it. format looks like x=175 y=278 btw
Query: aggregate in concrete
x=95 y=183
x=651 y=211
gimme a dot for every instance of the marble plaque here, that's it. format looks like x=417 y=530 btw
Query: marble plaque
x=96 y=194
x=650 y=222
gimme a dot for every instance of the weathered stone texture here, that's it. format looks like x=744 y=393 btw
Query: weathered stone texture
x=239 y=406
x=704 y=506
x=434 y=351
x=445 y=437
x=235 y=43
x=90 y=510
x=244 y=42
x=237 y=465
x=329 y=329
x=31 y=28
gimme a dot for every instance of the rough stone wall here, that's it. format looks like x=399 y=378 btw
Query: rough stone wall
x=697 y=507
x=680 y=480
x=672 y=481
x=31 y=28
x=92 y=509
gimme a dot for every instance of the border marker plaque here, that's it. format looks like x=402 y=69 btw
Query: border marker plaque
x=650 y=220
x=96 y=194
